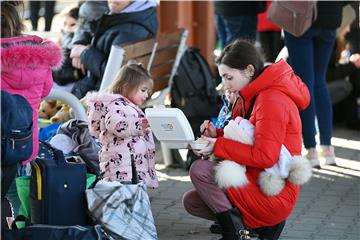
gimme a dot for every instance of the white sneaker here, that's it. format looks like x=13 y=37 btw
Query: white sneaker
x=312 y=156
x=328 y=153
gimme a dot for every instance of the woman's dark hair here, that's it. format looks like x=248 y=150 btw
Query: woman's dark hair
x=239 y=54
x=11 y=22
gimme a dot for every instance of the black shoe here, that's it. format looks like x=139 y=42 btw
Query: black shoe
x=232 y=226
x=215 y=228
x=270 y=233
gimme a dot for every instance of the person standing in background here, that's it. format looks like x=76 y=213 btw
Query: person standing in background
x=309 y=56
x=237 y=19
x=270 y=36
x=48 y=15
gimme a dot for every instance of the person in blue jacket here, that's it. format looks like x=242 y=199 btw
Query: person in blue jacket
x=127 y=21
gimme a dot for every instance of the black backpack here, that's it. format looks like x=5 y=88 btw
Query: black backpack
x=16 y=129
x=194 y=90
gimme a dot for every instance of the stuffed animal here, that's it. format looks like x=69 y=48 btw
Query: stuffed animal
x=295 y=169
x=62 y=115
x=49 y=108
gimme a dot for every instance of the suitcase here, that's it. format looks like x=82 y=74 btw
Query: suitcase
x=57 y=191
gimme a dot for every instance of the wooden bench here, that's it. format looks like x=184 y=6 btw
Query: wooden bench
x=169 y=50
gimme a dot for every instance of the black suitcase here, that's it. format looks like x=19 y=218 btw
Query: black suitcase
x=57 y=191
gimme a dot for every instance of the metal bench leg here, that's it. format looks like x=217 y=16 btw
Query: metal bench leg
x=168 y=160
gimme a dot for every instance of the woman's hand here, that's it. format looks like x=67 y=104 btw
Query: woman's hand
x=209 y=149
x=208 y=129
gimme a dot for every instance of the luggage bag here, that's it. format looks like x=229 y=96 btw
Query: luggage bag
x=57 y=191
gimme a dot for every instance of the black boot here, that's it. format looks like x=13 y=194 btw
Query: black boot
x=232 y=226
x=270 y=233
x=215 y=228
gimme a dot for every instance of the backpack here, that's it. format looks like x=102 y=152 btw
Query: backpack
x=295 y=17
x=16 y=129
x=194 y=90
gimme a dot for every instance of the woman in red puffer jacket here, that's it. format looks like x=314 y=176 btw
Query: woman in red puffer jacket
x=279 y=95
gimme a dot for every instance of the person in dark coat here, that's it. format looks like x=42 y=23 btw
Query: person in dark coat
x=127 y=21
x=89 y=11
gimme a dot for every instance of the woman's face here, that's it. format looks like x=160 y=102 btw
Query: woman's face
x=234 y=79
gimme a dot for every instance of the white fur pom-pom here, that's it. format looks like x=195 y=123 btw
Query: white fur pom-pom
x=230 y=174
x=270 y=185
x=300 y=170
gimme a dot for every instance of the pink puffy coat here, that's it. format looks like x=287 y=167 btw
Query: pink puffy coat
x=116 y=122
x=26 y=64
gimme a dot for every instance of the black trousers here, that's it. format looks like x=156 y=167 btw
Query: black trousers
x=34 y=13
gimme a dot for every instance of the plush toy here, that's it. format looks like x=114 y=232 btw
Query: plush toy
x=295 y=169
x=62 y=115
x=48 y=108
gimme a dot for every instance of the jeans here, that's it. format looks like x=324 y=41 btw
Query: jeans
x=232 y=27
x=309 y=56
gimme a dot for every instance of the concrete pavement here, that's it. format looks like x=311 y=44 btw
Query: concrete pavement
x=328 y=206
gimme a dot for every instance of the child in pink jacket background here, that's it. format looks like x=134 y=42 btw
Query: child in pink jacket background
x=26 y=69
x=122 y=129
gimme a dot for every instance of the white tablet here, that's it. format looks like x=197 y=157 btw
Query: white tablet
x=171 y=126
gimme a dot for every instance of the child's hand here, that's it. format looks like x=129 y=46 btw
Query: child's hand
x=208 y=129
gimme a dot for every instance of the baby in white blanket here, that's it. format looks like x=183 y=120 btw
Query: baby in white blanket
x=272 y=180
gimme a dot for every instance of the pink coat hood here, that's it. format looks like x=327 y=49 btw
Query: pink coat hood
x=26 y=69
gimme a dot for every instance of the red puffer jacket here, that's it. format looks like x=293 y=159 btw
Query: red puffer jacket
x=279 y=96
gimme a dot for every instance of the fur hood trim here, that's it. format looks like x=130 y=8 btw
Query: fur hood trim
x=32 y=53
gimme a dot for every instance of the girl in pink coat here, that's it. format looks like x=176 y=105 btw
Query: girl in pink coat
x=26 y=65
x=122 y=129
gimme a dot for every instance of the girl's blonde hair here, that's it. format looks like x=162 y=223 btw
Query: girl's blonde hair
x=129 y=78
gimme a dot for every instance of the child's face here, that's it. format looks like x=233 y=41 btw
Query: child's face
x=116 y=6
x=230 y=96
x=70 y=25
x=139 y=95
